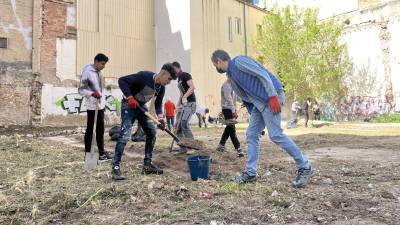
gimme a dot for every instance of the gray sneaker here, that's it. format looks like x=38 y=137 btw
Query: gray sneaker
x=303 y=177
x=244 y=178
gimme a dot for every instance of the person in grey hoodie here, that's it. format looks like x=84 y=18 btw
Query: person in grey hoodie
x=92 y=87
x=228 y=100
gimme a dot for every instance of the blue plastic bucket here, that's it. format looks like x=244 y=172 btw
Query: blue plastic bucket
x=199 y=167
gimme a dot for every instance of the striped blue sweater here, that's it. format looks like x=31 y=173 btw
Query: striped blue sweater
x=252 y=82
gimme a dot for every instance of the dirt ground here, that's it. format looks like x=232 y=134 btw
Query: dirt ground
x=42 y=180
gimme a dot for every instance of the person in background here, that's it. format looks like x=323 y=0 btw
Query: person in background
x=295 y=109
x=92 y=87
x=305 y=108
x=187 y=102
x=201 y=116
x=228 y=104
x=170 y=111
x=316 y=111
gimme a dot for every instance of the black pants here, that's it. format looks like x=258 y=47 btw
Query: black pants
x=306 y=116
x=99 y=130
x=230 y=130
x=317 y=115
x=170 y=121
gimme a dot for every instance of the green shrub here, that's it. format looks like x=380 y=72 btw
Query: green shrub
x=387 y=118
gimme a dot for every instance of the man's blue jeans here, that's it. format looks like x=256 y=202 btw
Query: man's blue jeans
x=260 y=120
x=128 y=117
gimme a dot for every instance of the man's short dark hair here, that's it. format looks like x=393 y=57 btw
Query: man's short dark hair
x=176 y=64
x=220 y=54
x=101 y=58
x=170 y=69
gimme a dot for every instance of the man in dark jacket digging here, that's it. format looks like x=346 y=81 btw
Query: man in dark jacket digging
x=138 y=89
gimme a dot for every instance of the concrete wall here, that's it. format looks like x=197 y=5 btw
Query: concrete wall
x=376 y=25
x=64 y=105
x=15 y=61
x=173 y=37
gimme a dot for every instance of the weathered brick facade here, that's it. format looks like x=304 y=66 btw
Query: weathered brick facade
x=31 y=29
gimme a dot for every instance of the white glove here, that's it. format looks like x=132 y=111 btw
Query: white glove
x=184 y=101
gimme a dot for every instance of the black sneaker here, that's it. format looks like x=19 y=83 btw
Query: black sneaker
x=220 y=148
x=150 y=168
x=116 y=173
x=239 y=152
x=303 y=177
x=244 y=178
x=105 y=157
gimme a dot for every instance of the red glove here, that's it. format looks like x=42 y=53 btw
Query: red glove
x=132 y=102
x=274 y=104
x=96 y=94
x=234 y=115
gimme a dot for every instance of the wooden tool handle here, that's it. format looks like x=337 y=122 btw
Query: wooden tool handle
x=158 y=123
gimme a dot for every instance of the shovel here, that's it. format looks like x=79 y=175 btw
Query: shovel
x=92 y=157
x=193 y=144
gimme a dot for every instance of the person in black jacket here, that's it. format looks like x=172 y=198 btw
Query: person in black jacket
x=305 y=108
x=138 y=89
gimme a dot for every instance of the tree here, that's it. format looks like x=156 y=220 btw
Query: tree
x=305 y=53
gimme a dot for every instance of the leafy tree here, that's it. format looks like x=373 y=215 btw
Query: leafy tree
x=305 y=53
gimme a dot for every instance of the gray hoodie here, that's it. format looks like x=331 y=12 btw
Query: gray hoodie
x=91 y=81
x=228 y=97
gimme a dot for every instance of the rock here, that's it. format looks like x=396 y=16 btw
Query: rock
x=29 y=135
x=328 y=204
x=327 y=181
x=206 y=195
x=267 y=173
x=151 y=185
x=345 y=170
x=320 y=219
x=373 y=209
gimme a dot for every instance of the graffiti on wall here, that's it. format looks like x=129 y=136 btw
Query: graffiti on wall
x=328 y=111
x=75 y=103
x=354 y=107
x=357 y=108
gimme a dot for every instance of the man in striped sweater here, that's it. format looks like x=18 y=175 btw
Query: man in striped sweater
x=263 y=92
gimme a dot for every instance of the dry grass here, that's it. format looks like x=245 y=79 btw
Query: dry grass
x=43 y=182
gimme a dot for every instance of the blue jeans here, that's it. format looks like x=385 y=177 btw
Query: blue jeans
x=260 y=120
x=128 y=117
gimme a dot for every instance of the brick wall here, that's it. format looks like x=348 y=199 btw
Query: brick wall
x=54 y=26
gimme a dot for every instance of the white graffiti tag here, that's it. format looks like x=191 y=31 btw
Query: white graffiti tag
x=73 y=103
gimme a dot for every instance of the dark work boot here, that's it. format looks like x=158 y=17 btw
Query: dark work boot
x=116 y=173
x=150 y=168
x=239 y=152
